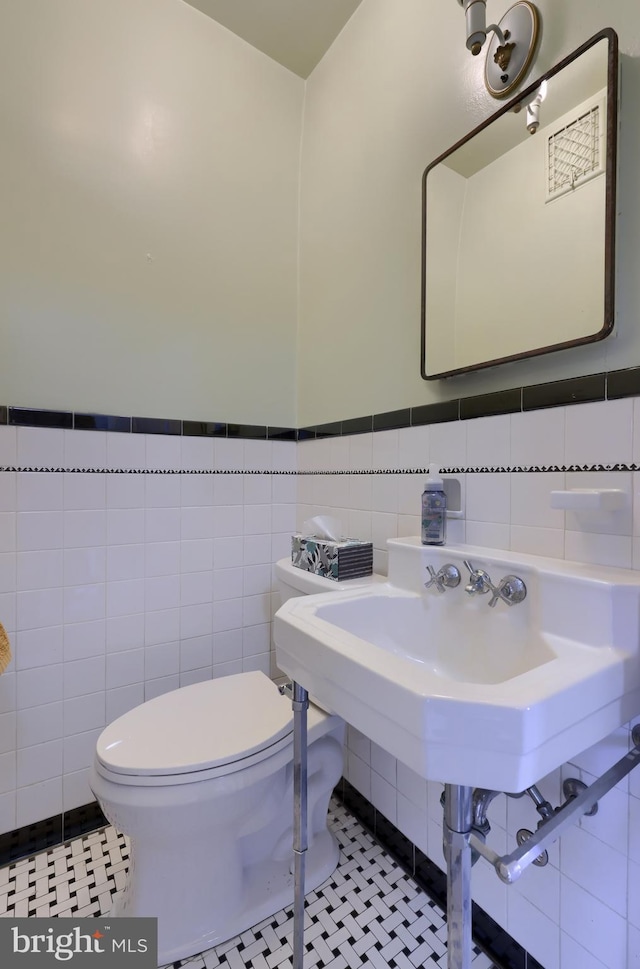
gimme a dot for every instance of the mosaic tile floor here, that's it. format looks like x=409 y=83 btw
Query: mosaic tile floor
x=369 y=913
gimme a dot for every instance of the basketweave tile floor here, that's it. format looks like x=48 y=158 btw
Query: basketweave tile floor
x=369 y=913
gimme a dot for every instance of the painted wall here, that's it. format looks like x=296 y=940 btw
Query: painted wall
x=149 y=192
x=90 y=564
x=396 y=89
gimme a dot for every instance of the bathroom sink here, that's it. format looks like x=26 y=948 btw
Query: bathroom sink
x=462 y=692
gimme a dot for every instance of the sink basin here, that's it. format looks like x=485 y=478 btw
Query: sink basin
x=417 y=630
x=464 y=693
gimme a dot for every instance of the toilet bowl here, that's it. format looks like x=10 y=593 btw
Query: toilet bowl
x=201 y=780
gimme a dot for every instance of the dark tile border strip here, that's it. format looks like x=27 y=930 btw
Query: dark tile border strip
x=29 y=417
x=575 y=390
x=203 y=429
x=357 y=425
x=68 y=420
x=623 y=383
x=579 y=390
x=155 y=425
x=247 y=431
x=101 y=422
x=488 y=405
x=33 y=838
x=490 y=937
x=392 y=419
x=441 y=413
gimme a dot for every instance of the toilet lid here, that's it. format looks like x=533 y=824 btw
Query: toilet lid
x=197 y=727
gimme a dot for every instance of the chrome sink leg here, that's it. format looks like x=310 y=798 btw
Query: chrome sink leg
x=458 y=817
x=300 y=705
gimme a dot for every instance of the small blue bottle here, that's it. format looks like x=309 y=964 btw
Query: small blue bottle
x=434 y=509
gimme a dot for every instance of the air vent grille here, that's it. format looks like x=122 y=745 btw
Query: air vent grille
x=574 y=153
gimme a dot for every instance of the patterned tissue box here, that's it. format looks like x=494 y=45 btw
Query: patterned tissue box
x=347 y=559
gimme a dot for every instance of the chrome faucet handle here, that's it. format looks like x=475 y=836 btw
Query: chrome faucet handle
x=479 y=581
x=448 y=577
x=511 y=590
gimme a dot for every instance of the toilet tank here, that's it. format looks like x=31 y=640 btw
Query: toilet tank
x=292 y=581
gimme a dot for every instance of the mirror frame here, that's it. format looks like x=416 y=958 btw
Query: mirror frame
x=610 y=35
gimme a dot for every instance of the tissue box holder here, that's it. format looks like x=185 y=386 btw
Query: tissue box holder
x=348 y=559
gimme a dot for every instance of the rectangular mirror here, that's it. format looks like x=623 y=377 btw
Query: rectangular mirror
x=518 y=227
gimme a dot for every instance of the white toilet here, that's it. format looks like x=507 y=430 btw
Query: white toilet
x=201 y=780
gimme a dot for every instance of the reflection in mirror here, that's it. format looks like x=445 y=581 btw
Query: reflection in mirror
x=518 y=223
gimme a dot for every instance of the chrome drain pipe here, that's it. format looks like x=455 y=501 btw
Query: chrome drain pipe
x=300 y=706
x=510 y=867
x=458 y=818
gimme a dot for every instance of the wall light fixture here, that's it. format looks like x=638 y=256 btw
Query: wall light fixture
x=533 y=109
x=510 y=49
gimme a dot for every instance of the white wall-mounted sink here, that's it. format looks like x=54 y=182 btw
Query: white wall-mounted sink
x=464 y=693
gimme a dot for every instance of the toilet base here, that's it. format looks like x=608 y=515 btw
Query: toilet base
x=270 y=890
x=214 y=858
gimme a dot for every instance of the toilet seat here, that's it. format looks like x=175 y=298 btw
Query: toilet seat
x=214 y=727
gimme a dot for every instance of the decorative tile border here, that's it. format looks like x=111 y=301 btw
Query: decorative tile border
x=498 y=469
x=210 y=471
x=575 y=390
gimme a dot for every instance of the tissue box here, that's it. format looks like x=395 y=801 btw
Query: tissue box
x=347 y=559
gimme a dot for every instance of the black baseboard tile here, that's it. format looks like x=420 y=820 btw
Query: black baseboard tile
x=34 y=838
x=577 y=390
x=30 y=839
x=4 y=414
x=430 y=878
x=497 y=943
x=82 y=820
x=359 y=805
x=533 y=963
x=488 y=935
x=397 y=843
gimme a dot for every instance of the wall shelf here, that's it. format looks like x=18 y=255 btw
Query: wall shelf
x=590 y=499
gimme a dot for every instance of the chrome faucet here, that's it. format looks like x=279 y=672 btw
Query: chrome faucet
x=511 y=589
x=448 y=577
x=479 y=582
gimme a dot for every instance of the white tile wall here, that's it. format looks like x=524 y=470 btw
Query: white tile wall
x=117 y=587
x=581 y=910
